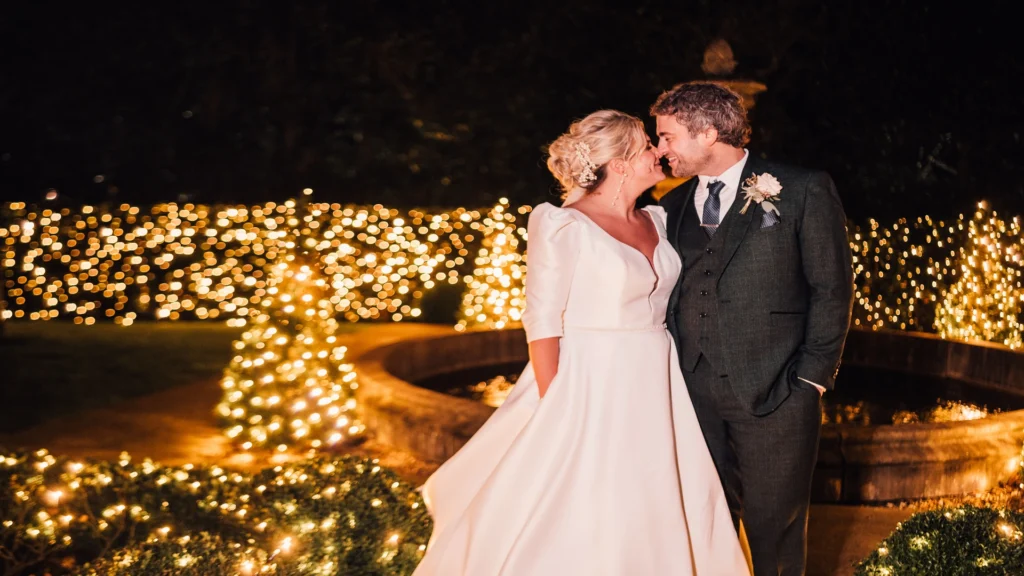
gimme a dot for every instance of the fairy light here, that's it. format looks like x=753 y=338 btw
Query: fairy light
x=288 y=370
x=495 y=296
x=985 y=301
x=901 y=270
x=173 y=262
x=968 y=536
x=291 y=522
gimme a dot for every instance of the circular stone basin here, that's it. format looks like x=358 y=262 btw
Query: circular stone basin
x=905 y=420
x=864 y=396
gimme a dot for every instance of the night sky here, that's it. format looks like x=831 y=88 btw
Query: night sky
x=913 y=109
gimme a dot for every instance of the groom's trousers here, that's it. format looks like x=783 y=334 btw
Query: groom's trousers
x=765 y=463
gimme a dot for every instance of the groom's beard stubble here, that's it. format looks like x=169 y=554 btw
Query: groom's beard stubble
x=677 y=170
x=681 y=170
x=689 y=169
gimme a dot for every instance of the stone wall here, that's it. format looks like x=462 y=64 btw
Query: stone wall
x=429 y=424
x=879 y=463
x=856 y=463
x=978 y=363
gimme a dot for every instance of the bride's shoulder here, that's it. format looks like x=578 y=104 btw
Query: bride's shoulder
x=657 y=212
x=548 y=219
x=550 y=213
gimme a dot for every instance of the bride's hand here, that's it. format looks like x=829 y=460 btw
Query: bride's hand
x=544 y=385
x=544 y=358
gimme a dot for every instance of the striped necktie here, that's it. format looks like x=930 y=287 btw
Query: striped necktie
x=712 y=207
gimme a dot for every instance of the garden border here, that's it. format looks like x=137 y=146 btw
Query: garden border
x=855 y=464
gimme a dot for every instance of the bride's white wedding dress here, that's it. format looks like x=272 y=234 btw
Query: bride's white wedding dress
x=608 y=474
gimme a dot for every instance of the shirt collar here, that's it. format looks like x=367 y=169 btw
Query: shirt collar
x=731 y=177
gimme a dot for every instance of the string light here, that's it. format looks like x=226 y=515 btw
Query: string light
x=957 y=540
x=288 y=383
x=189 y=261
x=985 y=301
x=960 y=279
x=901 y=271
x=494 y=297
x=206 y=520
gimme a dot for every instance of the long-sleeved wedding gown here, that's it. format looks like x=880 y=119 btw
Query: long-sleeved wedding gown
x=608 y=474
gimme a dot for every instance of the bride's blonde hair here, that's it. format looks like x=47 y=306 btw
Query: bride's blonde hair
x=579 y=158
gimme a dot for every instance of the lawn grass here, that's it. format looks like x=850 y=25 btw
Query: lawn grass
x=48 y=369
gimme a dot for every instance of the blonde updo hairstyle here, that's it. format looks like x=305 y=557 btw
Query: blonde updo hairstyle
x=604 y=135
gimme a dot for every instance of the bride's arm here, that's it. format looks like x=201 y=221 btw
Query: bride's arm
x=544 y=358
x=552 y=250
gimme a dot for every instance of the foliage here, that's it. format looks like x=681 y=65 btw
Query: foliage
x=984 y=304
x=961 y=279
x=451 y=103
x=965 y=541
x=495 y=295
x=920 y=274
x=201 y=555
x=288 y=382
x=171 y=261
x=902 y=270
x=322 y=516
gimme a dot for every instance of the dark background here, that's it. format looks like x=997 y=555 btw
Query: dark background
x=914 y=109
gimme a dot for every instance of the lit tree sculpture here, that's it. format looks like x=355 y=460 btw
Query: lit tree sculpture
x=984 y=302
x=287 y=384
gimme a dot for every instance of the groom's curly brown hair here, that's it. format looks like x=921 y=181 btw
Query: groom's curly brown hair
x=702 y=105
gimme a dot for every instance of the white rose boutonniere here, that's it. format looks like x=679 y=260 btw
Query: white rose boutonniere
x=764 y=190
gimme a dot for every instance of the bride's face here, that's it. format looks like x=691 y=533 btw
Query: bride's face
x=646 y=168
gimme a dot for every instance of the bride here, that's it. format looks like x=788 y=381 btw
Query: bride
x=595 y=464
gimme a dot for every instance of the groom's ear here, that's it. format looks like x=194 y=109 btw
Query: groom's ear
x=708 y=137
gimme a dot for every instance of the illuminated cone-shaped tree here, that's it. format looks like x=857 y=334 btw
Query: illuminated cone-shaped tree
x=984 y=302
x=494 y=296
x=287 y=384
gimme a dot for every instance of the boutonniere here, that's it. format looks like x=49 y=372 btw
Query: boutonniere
x=764 y=190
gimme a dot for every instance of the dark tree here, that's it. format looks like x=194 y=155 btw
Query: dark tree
x=912 y=108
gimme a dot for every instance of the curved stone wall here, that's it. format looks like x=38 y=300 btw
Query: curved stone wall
x=430 y=425
x=879 y=463
x=856 y=463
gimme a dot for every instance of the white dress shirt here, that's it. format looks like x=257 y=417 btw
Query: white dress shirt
x=731 y=179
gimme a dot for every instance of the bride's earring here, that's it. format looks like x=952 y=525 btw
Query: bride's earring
x=622 y=182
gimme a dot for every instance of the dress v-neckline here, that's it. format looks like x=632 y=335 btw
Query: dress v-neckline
x=652 y=261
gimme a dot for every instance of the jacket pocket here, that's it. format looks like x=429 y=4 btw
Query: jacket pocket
x=773 y=229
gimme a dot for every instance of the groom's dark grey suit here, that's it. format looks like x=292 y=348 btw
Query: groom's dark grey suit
x=758 y=311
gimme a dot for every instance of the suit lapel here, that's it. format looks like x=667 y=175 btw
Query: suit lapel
x=741 y=223
x=688 y=189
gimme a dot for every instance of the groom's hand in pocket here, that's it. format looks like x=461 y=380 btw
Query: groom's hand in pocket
x=818 y=387
x=797 y=380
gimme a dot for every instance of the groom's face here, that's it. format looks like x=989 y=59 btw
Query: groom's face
x=687 y=154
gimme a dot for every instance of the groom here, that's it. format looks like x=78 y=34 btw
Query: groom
x=760 y=313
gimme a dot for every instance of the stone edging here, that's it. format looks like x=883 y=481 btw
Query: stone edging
x=881 y=463
x=856 y=463
x=430 y=425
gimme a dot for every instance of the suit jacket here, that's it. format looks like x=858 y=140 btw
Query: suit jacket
x=784 y=292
